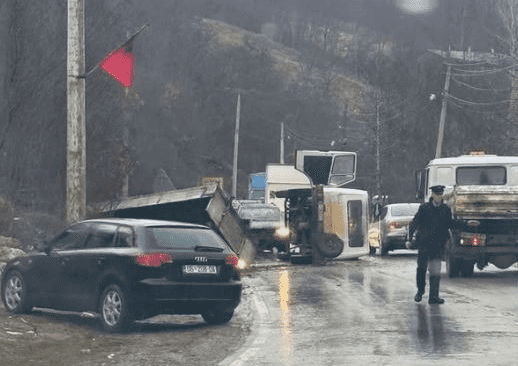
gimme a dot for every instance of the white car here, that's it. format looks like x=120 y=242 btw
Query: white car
x=393 y=225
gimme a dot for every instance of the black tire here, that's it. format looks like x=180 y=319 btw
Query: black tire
x=14 y=293
x=452 y=267
x=283 y=256
x=116 y=315
x=216 y=316
x=372 y=250
x=331 y=247
x=467 y=268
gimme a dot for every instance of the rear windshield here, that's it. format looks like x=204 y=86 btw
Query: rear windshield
x=481 y=175
x=404 y=210
x=182 y=238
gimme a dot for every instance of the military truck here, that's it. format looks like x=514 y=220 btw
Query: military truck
x=482 y=191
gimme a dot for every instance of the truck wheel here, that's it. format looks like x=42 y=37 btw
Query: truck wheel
x=453 y=267
x=331 y=247
x=467 y=268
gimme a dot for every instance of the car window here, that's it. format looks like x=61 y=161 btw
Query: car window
x=101 y=236
x=72 y=238
x=407 y=210
x=124 y=237
x=182 y=238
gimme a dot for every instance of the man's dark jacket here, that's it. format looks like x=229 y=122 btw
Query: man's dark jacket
x=432 y=224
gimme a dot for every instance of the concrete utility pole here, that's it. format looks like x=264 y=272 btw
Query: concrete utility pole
x=469 y=56
x=282 y=143
x=236 y=143
x=76 y=131
x=443 y=113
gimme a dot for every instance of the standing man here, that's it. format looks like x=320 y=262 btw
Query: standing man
x=432 y=223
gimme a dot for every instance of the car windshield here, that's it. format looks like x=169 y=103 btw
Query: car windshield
x=183 y=238
x=406 y=210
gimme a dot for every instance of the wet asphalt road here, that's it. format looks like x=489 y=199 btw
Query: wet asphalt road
x=355 y=312
x=362 y=313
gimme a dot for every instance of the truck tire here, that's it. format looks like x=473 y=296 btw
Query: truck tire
x=466 y=268
x=331 y=246
x=453 y=267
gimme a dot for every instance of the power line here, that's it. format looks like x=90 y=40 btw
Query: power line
x=451 y=97
x=480 y=89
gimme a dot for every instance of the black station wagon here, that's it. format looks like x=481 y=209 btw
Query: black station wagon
x=128 y=269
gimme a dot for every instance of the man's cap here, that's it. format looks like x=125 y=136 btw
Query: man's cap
x=437 y=189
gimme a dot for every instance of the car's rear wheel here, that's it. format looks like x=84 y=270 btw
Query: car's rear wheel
x=14 y=293
x=116 y=315
x=217 y=316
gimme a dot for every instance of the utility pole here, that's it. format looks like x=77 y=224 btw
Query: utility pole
x=282 y=143
x=465 y=56
x=378 y=137
x=76 y=131
x=443 y=113
x=236 y=143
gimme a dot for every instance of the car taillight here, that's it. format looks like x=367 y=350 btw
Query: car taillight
x=232 y=260
x=153 y=259
x=395 y=225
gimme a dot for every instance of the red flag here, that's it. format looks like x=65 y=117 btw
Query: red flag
x=120 y=64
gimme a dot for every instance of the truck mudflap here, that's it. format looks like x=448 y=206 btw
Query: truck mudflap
x=206 y=205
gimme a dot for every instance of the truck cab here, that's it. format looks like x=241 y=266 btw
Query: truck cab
x=482 y=192
x=325 y=219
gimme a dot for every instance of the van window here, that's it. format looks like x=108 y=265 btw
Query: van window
x=481 y=175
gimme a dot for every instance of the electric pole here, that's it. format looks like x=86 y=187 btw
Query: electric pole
x=236 y=143
x=282 y=143
x=443 y=113
x=76 y=131
x=466 y=56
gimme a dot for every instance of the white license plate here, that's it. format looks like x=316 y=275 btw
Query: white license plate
x=199 y=269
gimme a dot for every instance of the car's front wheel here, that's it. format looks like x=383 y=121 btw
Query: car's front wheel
x=14 y=293
x=217 y=316
x=116 y=315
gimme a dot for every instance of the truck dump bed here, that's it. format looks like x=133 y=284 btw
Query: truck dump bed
x=207 y=205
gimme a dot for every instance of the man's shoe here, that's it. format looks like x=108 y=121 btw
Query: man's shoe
x=435 y=300
x=418 y=297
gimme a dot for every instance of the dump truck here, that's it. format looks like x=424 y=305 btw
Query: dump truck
x=325 y=219
x=482 y=192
